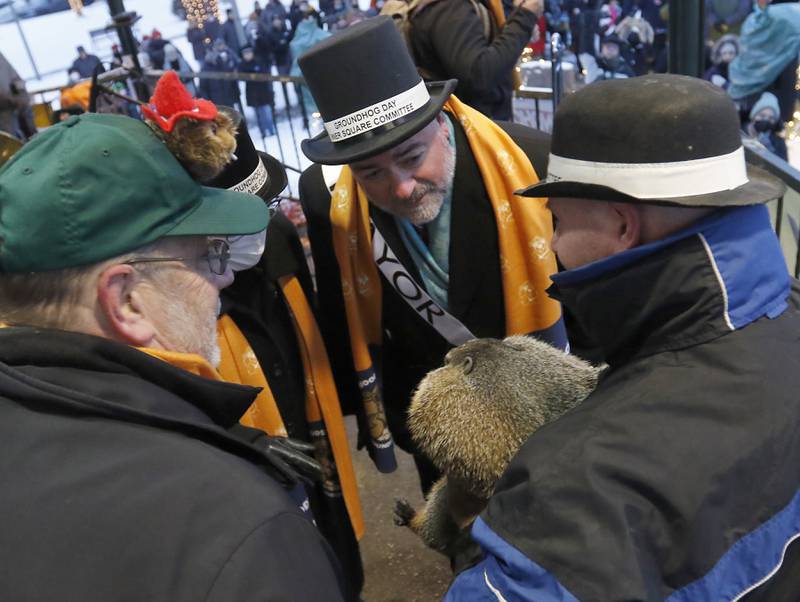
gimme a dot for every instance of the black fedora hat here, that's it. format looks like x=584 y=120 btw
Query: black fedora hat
x=252 y=170
x=368 y=91
x=666 y=139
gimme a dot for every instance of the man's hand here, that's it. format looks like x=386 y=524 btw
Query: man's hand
x=535 y=6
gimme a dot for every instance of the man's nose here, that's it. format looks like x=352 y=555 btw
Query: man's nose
x=403 y=186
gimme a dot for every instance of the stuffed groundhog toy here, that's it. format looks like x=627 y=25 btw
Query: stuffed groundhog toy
x=200 y=136
x=472 y=415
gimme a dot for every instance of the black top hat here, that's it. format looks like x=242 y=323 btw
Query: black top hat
x=252 y=171
x=368 y=91
x=668 y=139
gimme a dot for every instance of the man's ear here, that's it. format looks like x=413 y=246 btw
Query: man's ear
x=120 y=300
x=629 y=227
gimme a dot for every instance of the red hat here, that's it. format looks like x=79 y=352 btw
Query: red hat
x=171 y=101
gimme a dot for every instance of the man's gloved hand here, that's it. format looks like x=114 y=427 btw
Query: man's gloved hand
x=293 y=457
x=535 y=6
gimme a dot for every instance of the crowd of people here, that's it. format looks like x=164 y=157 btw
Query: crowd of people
x=174 y=381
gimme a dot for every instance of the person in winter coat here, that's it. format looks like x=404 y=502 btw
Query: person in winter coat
x=474 y=43
x=201 y=37
x=767 y=61
x=676 y=479
x=276 y=37
x=724 y=51
x=765 y=125
x=229 y=33
x=611 y=62
x=85 y=63
x=155 y=49
x=259 y=95
x=307 y=34
x=173 y=59
x=124 y=467
x=436 y=186
x=220 y=91
x=274 y=9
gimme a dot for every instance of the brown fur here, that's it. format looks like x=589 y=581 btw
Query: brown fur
x=472 y=415
x=204 y=148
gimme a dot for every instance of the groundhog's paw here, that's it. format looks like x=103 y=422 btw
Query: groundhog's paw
x=403 y=513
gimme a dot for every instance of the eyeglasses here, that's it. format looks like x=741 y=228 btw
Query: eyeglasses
x=219 y=252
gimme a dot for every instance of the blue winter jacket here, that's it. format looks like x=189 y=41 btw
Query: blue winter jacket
x=677 y=479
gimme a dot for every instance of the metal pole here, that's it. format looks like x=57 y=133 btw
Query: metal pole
x=24 y=40
x=555 y=66
x=130 y=51
x=289 y=119
x=686 y=55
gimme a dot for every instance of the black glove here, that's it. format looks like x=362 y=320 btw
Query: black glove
x=292 y=457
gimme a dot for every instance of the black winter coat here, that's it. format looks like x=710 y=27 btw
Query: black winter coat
x=679 y=477
x=256 y=304
x=220 y=91
x=447 y=41
x=120 y=482
x=257 y=93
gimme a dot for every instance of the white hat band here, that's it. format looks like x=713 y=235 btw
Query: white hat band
x=656 y=180
x=254 y=182
x=379 y=114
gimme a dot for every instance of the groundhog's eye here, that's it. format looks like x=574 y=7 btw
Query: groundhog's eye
x=214 y=129
x=468 y=365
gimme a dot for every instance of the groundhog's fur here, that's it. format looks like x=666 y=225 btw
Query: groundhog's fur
x=472 y=415
x=204 y=148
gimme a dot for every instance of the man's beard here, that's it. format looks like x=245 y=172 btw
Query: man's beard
x=425 y=202
x=422 y=206
x=190 y=331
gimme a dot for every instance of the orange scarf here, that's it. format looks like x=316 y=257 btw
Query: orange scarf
x=190 y=362
x=524 y=229
x=323 y=412
x=240 y=365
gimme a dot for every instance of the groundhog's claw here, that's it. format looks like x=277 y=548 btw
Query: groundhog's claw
x=403 y=513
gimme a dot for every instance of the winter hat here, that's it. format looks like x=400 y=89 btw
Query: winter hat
x=368 y=91
x=767 y=101
x=97 y=186
x=252 y=170
x=726 y=40
x=171 y=101
x=665 y=139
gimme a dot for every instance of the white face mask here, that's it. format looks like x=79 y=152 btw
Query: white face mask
x=246 y=250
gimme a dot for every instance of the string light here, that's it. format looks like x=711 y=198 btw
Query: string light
x=198 y=11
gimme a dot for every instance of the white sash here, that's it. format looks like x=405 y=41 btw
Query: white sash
x=413 y=294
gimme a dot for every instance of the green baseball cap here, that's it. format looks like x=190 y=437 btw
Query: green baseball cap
x=98 y=186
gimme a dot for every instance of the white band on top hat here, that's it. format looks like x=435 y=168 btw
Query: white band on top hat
x=655 y=180
x=254 y=182
x=379 y=114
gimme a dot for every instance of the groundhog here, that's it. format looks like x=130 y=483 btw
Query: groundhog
x=472 y=415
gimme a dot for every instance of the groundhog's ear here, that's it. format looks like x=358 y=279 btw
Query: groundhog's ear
x=468 y=364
